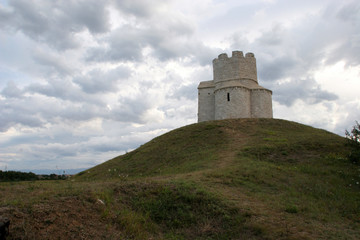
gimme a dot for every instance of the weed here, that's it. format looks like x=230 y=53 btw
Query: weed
x=186 y=211
x=135 y=225
x=291 y=209
x=107 y=196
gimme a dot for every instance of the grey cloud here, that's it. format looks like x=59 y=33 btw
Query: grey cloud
x=272 y=37
x=56 y=89
x=189 y=91
x=99 y=81
x=55 y=150
x=34 y=21
x=185 y=91
x=169 y=37
x=63 y=89
x=79 y=112
x=130 y=109
x=11 y=91
x=348 y=51
x=271 y=69
x=347 y=20
x=5 y=15
x=52 y=63
x=169 y=49
x=56 y=22
x=29 y=17
x=350 y=12
x=180 y=111
x=11 y=119
x=296 y=56
x=320 y=39
x=16 y=111
x=111 y=143
x=140 y=8
x=307 y=90
x=125 y=44
x=128 y=42
x=204 y=54
x=92 y=14
x=53 y=136
x=133 y=107
x=108 y=147
x=36 y=111
x=61 y=100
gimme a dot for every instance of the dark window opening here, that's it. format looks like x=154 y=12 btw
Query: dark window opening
x=228 y=97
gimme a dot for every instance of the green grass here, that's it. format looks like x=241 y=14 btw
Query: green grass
x=230 y=179
x=180 y=151
x=181 y=210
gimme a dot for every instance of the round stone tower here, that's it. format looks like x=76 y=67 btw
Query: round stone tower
x=234 y=92
x=232 y=76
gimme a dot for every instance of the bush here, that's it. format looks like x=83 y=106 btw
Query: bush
x=354 y=142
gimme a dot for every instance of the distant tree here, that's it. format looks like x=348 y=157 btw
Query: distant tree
x=354 y=141
x=17 y=176
x=53 y=176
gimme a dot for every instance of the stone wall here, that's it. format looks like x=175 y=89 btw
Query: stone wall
x=206 y=104
x=261 y=103
x=227 y=103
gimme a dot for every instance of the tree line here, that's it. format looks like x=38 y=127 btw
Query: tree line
x=9 y=176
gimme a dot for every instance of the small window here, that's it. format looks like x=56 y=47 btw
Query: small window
x=228 y=97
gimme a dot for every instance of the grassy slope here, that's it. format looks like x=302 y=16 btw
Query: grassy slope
x=186 y=149
x=230 y=179
x=290 y=171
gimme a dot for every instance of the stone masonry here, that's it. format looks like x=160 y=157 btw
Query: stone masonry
x=234 y=92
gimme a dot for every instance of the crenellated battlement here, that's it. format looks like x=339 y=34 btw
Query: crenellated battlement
x=237 y=66
x=235 y=54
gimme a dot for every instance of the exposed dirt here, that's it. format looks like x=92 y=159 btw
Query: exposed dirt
x=61 y=218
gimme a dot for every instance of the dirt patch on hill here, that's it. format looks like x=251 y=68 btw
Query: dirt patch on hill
x=63 y=218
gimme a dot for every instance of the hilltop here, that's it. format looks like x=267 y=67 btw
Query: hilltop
x=222 y=144
x=229 y=179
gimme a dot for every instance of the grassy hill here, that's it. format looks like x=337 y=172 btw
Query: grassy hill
x=229 y=179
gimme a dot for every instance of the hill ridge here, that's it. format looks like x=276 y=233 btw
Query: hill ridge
x=200 y=145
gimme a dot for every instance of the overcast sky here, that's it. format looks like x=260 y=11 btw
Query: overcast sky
x=83 y=81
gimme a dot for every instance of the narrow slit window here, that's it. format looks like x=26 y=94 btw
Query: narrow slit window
x=228 y=97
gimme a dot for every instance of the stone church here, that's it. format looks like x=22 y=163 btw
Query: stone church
x=234 y=92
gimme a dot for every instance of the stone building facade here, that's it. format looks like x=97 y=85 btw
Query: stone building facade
x=234 y=92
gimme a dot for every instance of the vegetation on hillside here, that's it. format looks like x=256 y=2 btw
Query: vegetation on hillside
x=354 y=142
x=186 y=149
x=230 y=179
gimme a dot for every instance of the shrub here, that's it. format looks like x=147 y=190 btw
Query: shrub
x=354 y=142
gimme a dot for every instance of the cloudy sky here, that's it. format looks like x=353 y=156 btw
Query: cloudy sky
x=82 y=81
